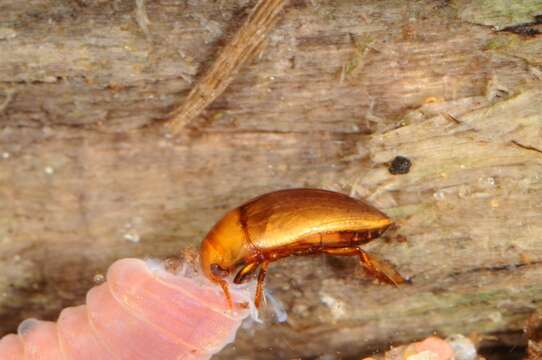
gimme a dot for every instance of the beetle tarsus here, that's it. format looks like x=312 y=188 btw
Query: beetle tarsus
x=380 y=269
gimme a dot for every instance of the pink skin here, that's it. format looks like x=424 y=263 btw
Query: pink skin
x=437 y=346
x=138 y=313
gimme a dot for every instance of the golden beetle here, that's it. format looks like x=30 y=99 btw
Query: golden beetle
x=292 y=222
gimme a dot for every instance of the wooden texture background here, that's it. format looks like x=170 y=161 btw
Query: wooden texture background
x=87 y=174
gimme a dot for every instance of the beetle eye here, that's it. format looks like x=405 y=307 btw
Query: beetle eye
x=219 y=271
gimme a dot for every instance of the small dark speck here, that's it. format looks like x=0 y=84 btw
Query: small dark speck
x=401 y=238
x=400 y=165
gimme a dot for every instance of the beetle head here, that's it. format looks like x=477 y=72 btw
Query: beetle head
x=223 y=247
x=212 y=261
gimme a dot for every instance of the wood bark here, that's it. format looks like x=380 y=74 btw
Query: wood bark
x=87 y=174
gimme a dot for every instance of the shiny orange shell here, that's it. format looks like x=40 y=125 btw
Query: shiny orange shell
x=292 y=222
x=286 y=217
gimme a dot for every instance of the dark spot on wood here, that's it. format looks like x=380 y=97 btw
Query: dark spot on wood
x=502 y=352
x=441 y=4
x=401 y=238
x=400 y=165
x=526 y=29
x=300 y=4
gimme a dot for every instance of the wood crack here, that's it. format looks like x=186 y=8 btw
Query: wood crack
x=525 y=29
x=497 y=268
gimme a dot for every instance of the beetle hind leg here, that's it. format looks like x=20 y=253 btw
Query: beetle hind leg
x=378 y=268
x=261 y=279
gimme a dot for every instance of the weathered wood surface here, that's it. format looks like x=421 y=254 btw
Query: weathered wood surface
x=87 y=175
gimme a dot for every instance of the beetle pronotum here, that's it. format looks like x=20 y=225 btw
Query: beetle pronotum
x=292 y=222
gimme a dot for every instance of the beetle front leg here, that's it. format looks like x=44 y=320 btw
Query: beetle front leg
x=259 y=287
x=225 y=289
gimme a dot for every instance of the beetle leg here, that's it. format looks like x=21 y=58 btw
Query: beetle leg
x=380 y=269
x=245 y=271
x=344 y=251
x=374 y=266
x=224 y=286
x=259 y=287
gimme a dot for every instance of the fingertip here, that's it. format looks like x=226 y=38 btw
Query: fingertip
x=11 y=348
x=40 y=339
x=122 y=264
x=26 y=326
